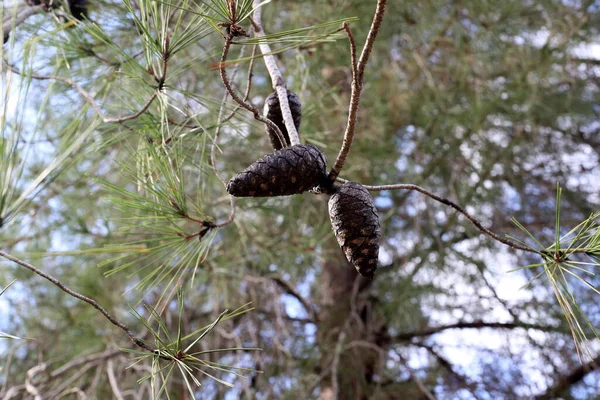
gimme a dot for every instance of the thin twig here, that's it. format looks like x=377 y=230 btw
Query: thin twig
x=336 y=360
x=92 y=358
x=473 y=220
x=213 y=158
x=112 y=379
x=289 y=289
x=248 y=86
x=346 y=28
x=88 y=97
x=92 y=302
x=276 y=77
x=357 y=84
x=257 y=115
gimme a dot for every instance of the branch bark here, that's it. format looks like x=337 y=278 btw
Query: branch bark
x=138 y=342
x=470 y=325
x=276 y=78
x=257 y=115
x=357 y=84
x=566 y=381
x=17 y=19
x=473 y=220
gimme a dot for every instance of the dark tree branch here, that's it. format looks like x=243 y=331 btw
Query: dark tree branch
x=447 y=365
x=289 y=289
x=470 y=325
x=564 y=382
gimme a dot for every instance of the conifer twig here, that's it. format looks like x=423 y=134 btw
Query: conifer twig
x=257 y=114
x=220 y=122
x=357 y=84
x=346 y=28
x=473 y=220
x=138 y=342
x=89 y=98
x=276 y=77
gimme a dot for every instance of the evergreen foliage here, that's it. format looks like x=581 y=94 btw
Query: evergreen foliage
x=118 y=137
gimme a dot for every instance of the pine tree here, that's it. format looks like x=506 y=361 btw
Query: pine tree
x=122 y=129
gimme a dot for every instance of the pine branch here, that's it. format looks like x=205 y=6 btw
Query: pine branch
x=17 y=19
x=357 y=85
x=473 y=220
x=276 y=77
x=92 y=302
x=257 y=114
x=89 y=98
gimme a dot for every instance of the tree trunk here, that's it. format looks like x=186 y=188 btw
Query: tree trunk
x=351 y=333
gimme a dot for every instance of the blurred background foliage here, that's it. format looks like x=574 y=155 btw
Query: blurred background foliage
x=487 y=103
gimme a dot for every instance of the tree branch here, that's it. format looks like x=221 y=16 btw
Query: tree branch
x=473 y=220
x=289 y=289
x=88 y=97
x=92 y=302
x=470 y=325
x=276 y=77
x=17 y=19
x=257 y=115
x=447 y=365
x=566 y=381
x=357 y=84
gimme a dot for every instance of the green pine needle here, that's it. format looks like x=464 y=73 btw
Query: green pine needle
x=577 y=250
x=175 y=354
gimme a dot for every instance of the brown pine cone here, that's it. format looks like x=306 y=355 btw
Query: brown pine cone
x=288 y=171
x=272 y=111
x=356 y=226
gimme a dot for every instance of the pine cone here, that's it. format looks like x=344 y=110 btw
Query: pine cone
x=288 y=171
x=272 y=111
x=356 y=226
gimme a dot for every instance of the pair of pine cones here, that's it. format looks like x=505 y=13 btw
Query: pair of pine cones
x=297 y=169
